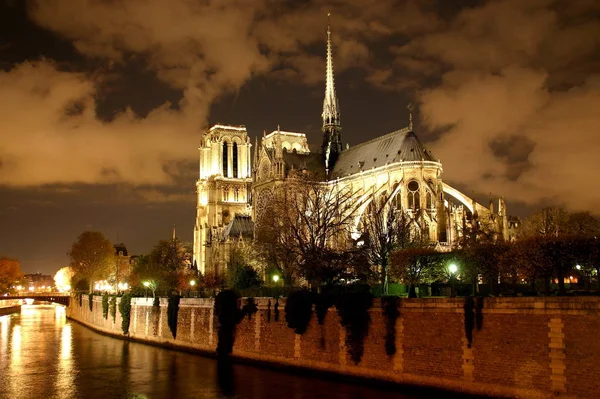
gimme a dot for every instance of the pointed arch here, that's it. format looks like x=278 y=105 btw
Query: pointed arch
x=225 y=158
x=234 y=159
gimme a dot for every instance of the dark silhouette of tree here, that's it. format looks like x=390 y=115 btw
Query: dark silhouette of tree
x=556 y=241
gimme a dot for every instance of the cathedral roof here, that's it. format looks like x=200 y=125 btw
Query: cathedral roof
x=239 y=225
x=401 y=145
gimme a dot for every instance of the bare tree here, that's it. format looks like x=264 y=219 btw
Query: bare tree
x=308 y=226
x=384 y=230
x=558 y=235
x=547 y=223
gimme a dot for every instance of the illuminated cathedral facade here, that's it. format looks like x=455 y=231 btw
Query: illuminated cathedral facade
x=236 y=183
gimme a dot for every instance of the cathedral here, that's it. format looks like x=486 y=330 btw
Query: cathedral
x=236 y=182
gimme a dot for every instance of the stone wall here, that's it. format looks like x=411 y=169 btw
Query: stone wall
x=521 y=347
x=8 y=306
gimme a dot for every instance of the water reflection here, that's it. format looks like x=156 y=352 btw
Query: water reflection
x=64 y=384
x=45 y=356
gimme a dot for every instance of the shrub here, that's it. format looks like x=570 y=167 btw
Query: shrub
x=105 y=305
x=228 y=316
x=125 y=310
x=298 y=310
x=479 y=313
x=353 y=309
x=322 y=304
x=276 y=310
x=391 y=313
x=249 y=308
x=468 y=307
x=172 y=313
x=112 y=304
x=243 y=277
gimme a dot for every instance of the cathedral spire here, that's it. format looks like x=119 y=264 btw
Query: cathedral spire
x=332 y=131
x=410 y=116
x=331 y=113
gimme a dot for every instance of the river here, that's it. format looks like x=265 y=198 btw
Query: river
x=44 y=355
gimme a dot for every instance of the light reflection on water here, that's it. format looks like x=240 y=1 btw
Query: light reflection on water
x=46 y=356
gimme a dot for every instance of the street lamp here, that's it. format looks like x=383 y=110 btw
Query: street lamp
x=452 y=268
x=192 y=284
x=146 y=284
x=275 y=278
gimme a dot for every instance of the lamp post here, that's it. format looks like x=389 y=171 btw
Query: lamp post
x=452 y=268
x=275 y=280
x=146 y=284
x=192 y=284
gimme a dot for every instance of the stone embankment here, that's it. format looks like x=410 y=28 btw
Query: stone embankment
x=8 y=306
x=506 y=347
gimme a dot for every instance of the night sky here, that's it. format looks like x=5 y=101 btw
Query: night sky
x=103 y=103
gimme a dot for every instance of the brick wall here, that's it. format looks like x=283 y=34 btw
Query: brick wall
x=521 y=347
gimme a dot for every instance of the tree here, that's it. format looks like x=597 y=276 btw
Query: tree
x=308 y=225
x=549 y=222
x=10 y=272
x=241 y=275
x=92 y=257
x=418 y=265
x=63 y=279
x=583 y=224
x=167 y=267
x=385 y=229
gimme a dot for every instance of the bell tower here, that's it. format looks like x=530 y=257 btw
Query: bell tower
x=223 y=186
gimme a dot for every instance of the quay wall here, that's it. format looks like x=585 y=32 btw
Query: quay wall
x=520 y=347
x=8 y=306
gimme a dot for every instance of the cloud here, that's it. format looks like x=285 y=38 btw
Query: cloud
x=511 y=85
x=50 y=133
x=516 y=122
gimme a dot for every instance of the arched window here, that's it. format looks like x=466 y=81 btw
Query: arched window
x=235 y=160
x=428 y=200
x=225 y=159
x=414 y=200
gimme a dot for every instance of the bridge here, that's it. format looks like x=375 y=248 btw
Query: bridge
x=55 y=297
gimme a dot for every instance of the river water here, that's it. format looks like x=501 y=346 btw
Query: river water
x=43 y=355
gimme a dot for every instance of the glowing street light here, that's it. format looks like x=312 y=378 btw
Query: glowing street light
x=453 y=268
x=578 y=267
x=152 y=285
x=193 y=283
x=275 y=278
